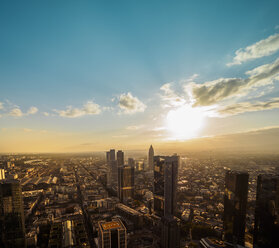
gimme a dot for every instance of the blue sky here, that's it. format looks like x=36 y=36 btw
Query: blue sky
x=55 y=54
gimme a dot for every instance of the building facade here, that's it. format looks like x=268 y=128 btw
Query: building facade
x=266 y=229
x=112 y=234
x=235 y=202
x=12 y=229
x=120 y=158
x=165 y=185
x=126 y=182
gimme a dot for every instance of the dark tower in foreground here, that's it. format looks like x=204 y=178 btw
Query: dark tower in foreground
x=165 y=188
x=266 y=232
x=235 y=202
x=165 y=184
x=12 y=228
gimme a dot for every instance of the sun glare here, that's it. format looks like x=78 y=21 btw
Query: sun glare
x=184 y=123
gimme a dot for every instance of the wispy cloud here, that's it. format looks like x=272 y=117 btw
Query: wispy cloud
x=45 y=113
x=136 y=127
x=259 y=49
x=1 y=105
x=33 y=110
x=130 y=104
x=27 y=130
x=16 y=111
x=243 y=107
x=120 y=136
x=218 y=90
x=89 y=108
x=170 y=97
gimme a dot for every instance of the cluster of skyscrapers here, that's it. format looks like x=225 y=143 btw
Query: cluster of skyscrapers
x=121 y=178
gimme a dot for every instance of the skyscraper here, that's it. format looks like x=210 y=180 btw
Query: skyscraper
x=165 y=188
x=112 y=174
x=150 y=158
x=112 y=168
x=12 y=228
x=107 y=156
x=235 y=202
x=266 y=229
x=165 y=184
x=120 y=158
x=131 y=162
x=112 y=154
x=2 y=174
x=126 y=182
x=112 y=234
x=170 y=233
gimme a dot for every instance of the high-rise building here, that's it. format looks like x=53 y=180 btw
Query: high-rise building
x=112 y=168
x=12 y=228
x=2 y=174
x=165 y=191
x=150 y=158
x=266 y=229
x=165 y=184
x=112 y=174
x=112 y=234
x=107 y=157
x=131 y=162
x=120 y=158
x=235 y=202
x=170 y=233
x=112 y=154
x=126 y=182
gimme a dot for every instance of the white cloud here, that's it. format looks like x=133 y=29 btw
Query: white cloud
x=89 y=108
x=1 y=105
x=16 y=112
x=45 y=113
x=33 y=110
x=130 y=104
x=259 y=49
x=192 y=78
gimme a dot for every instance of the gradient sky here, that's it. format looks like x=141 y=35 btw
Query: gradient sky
x=88 y=75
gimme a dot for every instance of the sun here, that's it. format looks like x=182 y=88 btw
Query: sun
x=184 y=122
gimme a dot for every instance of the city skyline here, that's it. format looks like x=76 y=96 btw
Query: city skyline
x=88 y=76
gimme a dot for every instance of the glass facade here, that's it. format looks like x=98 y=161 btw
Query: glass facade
x=11 y=214
x=235 y=202
x=266 y=232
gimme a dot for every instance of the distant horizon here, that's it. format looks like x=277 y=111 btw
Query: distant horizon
x=203 y=144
